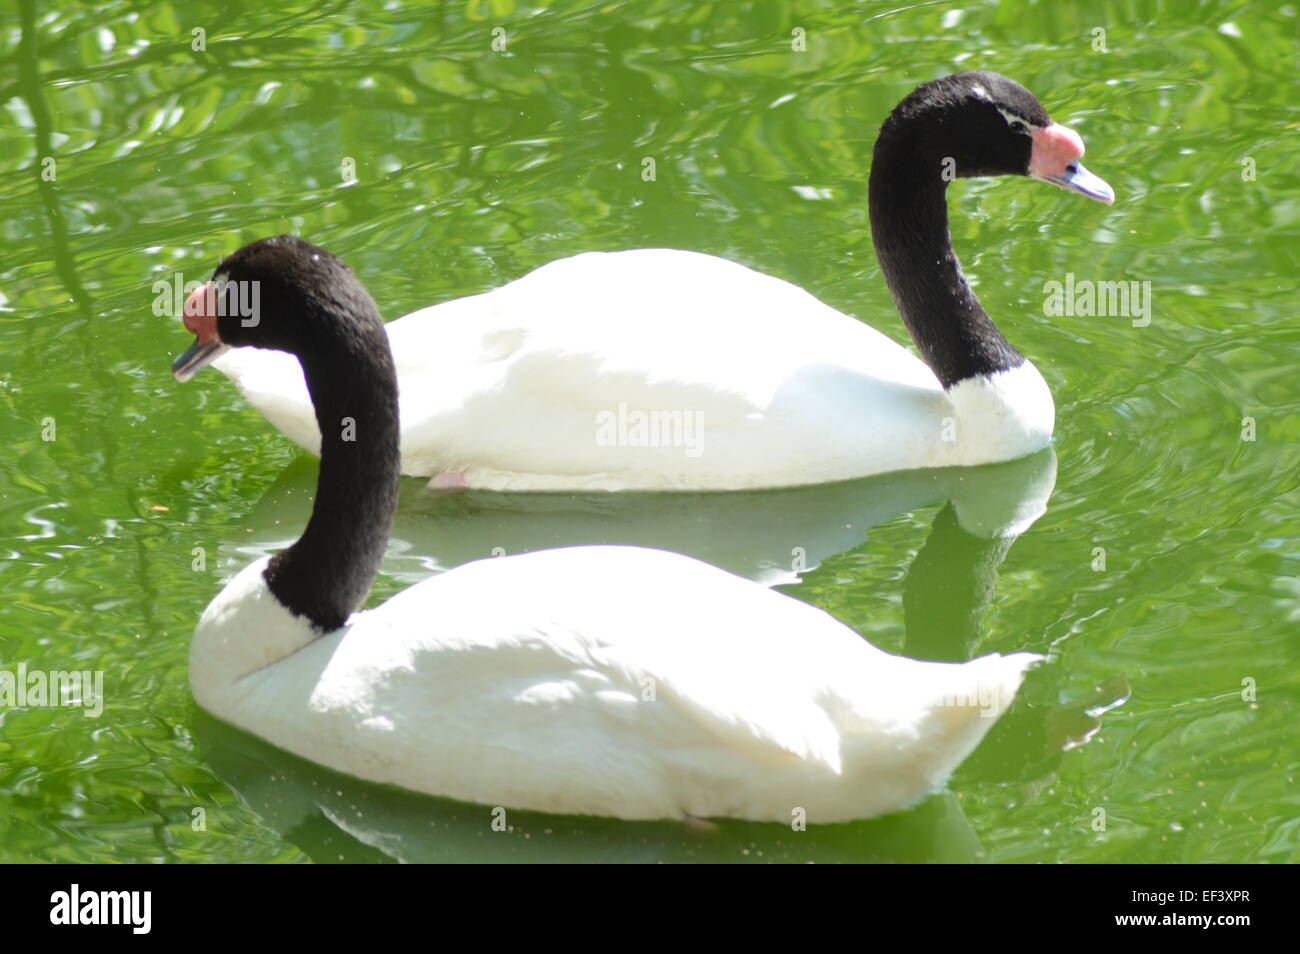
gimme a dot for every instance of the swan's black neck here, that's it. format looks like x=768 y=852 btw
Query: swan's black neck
x=349 y=370
x=909 y=226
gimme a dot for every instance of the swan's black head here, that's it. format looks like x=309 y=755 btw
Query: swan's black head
x=282 y=293
x=289 y=295
x=979 y=123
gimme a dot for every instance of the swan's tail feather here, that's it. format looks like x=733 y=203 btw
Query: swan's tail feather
x=967 y=704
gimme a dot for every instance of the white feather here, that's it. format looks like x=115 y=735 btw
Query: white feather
x=507 y=390
x=612 y=681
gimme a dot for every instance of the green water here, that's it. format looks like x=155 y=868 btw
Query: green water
x=1163 y=570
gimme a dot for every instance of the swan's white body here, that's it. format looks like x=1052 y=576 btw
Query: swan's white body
x=611 y=681
x=658 y=369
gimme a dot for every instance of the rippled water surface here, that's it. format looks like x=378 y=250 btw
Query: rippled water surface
x=1163 y=571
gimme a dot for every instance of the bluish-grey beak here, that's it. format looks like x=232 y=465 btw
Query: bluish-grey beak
x=1079 y=179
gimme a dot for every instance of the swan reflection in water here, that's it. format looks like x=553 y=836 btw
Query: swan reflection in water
x=769 y=536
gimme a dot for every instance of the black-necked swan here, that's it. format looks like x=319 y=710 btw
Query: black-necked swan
x=660 y=369
x=614 y=681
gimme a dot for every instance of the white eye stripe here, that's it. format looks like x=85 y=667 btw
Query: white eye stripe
x=979 y=92
x=1012 y=118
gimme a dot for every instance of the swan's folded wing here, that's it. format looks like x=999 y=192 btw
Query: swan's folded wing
x=668 y=687
x=662 y=362
x=673 y=652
